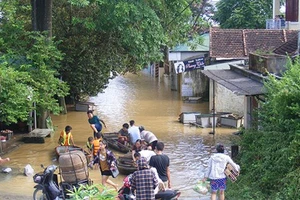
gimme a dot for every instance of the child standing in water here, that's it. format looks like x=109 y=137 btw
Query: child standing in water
x=89 y=144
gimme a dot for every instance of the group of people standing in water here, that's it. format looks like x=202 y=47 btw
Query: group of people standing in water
x=144 y=144
x=146 y=149
x=96 y=146
x=153 y=173
x=148 y=156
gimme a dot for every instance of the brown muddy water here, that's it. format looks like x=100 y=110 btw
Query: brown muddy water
x=150 y=103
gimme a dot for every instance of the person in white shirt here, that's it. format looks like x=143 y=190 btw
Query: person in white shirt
x=216 y=166
x=149 y=137
x=147 y=154
x=134 y=132
x=161 y=185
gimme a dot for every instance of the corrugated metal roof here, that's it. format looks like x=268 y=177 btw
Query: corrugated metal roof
x=235 y=82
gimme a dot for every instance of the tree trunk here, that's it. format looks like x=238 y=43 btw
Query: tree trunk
x=166 y=60
x=42 y=16
x=48 y=17
x=42 y=21
x=42 y=119
x=33 y=15
x=62 y=103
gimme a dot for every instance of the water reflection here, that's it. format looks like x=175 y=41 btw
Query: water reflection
x=150 y=103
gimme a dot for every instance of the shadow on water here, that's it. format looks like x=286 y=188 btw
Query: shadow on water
x=150 y=103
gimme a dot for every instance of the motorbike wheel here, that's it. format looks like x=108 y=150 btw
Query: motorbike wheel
x=39 y=195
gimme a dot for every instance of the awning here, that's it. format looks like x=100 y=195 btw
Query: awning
x=236 y=82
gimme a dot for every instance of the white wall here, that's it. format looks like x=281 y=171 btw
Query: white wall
x=225 y=100
x=174 y=56
x=276 y=7
x=186 y=55
x=180 y=56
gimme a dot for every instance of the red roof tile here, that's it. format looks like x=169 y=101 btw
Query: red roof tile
x=289 y=48
x=237 y=43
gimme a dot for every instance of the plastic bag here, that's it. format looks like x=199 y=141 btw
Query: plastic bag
x=202 y=187
x=28 y=170
x=114 y=172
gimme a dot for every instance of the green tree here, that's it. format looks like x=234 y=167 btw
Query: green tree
x=99 y=37
x=31 y=60
x=282 y=110
x=243 y=14
x=179 y=22
x=270 y=156
x=14 y=104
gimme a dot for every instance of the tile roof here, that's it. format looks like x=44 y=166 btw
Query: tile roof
x=237 y=43
x=289 y=48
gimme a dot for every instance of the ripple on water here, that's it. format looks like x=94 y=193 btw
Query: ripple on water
x=150 y=103
x=188 y=161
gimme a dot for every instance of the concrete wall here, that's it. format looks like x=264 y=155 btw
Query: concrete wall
x=196 y=82
x=225 y=100
x=180 y=56
x=187 y=55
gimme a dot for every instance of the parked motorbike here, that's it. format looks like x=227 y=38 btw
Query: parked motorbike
x=47 y=185
x=48 y=188
x=125 y=192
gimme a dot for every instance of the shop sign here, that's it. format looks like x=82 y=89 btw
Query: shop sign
x=189 y=65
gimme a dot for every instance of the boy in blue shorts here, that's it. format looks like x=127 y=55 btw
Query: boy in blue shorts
x=216 y=166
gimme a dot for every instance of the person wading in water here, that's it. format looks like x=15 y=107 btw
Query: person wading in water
x=107 y=161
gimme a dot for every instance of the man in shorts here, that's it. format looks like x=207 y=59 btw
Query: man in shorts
x=216 y=166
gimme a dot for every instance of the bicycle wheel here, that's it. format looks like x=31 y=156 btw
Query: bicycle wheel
x=39 y=195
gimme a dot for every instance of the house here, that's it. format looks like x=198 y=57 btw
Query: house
x=187 y=81
x=238 y=43
x=292 y=14
x=240 y=88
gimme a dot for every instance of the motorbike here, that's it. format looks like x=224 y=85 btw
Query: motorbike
x=47 y=187
x=125 y=192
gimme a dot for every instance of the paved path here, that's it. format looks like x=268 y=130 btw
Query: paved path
x=193 y=198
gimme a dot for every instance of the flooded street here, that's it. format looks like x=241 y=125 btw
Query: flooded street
x=151 y=104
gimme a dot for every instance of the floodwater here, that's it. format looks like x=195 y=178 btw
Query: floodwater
x=151 y=103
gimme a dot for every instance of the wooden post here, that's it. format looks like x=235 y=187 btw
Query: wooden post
x=234 y=151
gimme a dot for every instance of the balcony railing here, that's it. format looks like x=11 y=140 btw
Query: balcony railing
x=282 y=24
x=275 y=24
